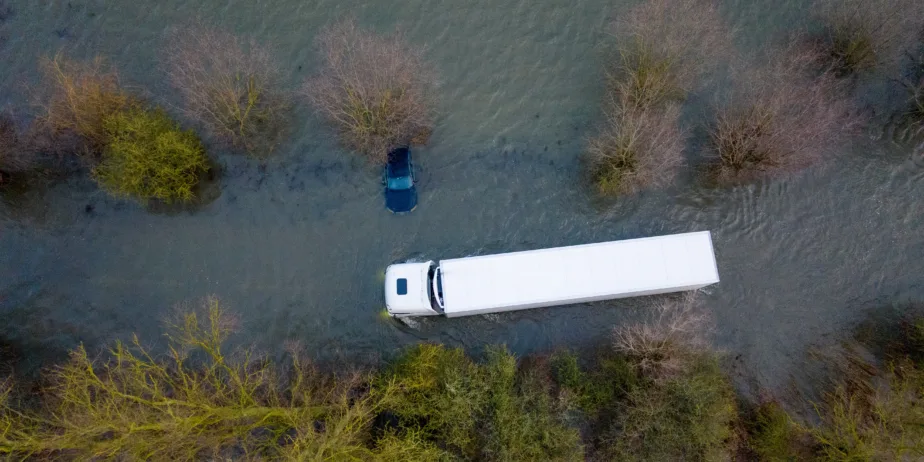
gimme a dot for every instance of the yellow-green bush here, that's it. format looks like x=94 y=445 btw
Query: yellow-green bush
x=691 y=416
x=772 y=434
x=489 y=411
x=148 y=156
x=881 y=422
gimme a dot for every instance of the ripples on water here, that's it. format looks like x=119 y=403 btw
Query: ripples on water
x=298 y=246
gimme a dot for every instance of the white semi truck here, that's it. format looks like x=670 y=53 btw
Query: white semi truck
x=551 y=277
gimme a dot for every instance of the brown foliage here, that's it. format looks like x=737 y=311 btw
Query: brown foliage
x=636 y=148
x=230 y=85
x=80 y=95
x=665 y=47
x=779 y=117
x=673 y=337
x=375 y=90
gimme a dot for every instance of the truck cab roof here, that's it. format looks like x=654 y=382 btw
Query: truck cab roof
x=406 y=289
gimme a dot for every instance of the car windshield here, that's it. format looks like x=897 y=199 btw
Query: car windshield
x=400 y=183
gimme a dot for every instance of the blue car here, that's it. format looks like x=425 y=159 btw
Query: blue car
x=400 y=193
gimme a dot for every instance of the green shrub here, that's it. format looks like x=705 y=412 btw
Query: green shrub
x=148 y=156
x=689 y=417
x=605 y=384
x=491 y=411
x=442 y=392
x=915 y=340
x=772 y=434
x=884 y=424
x=522 y=425
x=408 y=446
x=565 y=370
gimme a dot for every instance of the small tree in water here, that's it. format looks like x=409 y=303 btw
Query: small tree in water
x=861 y=35
x=79 y=96
x=664 y=48
x=229 y=85
x=377 y=91
x=779 y=117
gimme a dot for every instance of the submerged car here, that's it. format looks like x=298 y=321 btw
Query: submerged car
x=400 y=193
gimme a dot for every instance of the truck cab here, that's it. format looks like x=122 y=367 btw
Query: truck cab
x=413 y=289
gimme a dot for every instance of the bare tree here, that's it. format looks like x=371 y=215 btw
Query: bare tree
x=863 y=34
x=77 y=96
x=636 y=148
x=665 y=47
x=779 y=117
x=377 y=91
x=665 y=344
x=230 y=85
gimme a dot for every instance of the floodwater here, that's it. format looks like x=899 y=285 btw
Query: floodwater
x=298 y=246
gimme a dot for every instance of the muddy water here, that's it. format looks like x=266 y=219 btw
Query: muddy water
x=298 y=246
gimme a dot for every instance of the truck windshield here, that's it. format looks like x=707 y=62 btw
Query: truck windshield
x=435 y=289
x=438 y=286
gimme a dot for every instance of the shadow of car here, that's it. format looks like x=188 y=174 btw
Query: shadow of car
x=400 y=193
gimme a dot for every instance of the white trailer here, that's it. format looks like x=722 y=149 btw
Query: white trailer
x=551 y=277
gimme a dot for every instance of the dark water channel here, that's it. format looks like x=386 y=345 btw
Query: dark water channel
x=298 y=246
